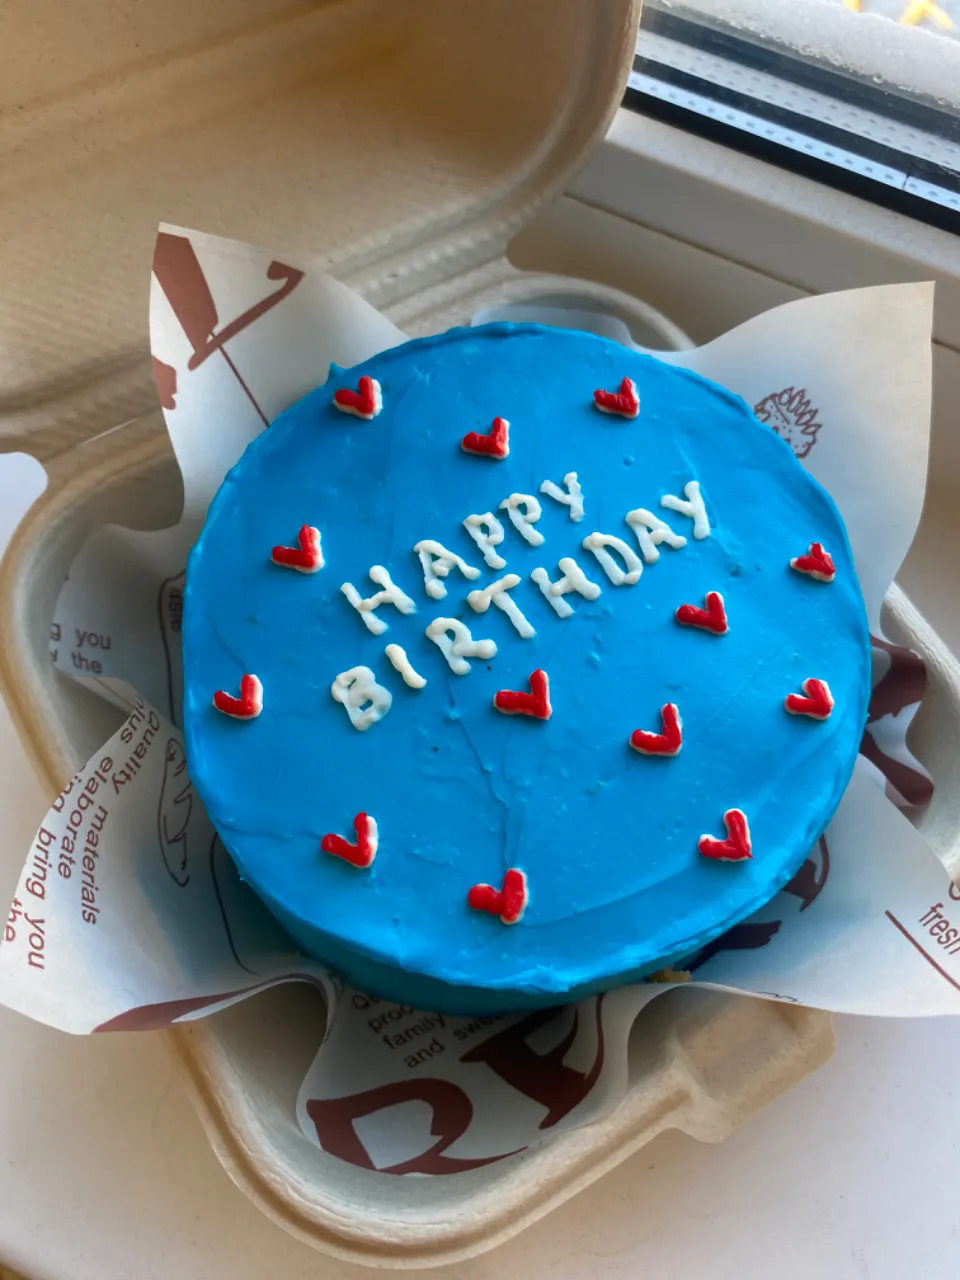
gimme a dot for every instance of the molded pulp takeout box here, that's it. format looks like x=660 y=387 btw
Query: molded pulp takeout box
x=400 y=147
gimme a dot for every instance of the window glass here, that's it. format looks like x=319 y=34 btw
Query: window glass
x=862 y=94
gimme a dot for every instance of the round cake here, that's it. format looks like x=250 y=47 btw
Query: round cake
x=518 y=666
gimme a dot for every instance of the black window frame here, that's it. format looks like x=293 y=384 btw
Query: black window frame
x=739 y=51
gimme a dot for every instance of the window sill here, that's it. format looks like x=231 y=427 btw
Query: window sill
x=795 y=230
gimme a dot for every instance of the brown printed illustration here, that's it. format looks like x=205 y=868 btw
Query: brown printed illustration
x=173 y=813
x=165 y=376
x=180 y=276
x=538 y=1074
x=791 y=415
x=543 y=1077
x=807 y=885
x=249 y=928
x=900 y=689
x=170 y=610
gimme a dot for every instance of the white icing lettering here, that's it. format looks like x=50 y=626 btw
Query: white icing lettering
x=487 y=533
x=456 y=643
x=398 y=659
x=400 y=662
x=651 y=531
x=524 y=520
x=693 y=507
x=598 y=544
x=573 y=498
x=437 y=562
x=574 y=579
x=498 y=593
x=365 y=701
x=391 y=594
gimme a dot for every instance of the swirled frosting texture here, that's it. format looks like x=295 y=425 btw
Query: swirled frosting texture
x=607 y=837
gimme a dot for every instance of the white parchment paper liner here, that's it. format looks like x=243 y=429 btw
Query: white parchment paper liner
x=129 y=913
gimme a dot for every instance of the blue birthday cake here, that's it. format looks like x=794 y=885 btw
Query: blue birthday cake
x=518 y=666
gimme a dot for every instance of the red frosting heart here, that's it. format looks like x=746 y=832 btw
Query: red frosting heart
x=737 y=846
x=364 y=851
x=535 y=703
x=495 y=444
x=667 y=743
x=624 y=402
x=307 y=557
x=248 y=706
x=713 y=618
x=508 y=902
x=817 y=704
x=815 y=564
x=365 y=402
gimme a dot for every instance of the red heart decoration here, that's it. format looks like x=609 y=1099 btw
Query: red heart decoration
x=815 y=564
x=248 y=706
x=817 y=704
x=535 y=703
x=365 y=402
x=713 y=618
x=495 y=444
x=667 y=743
x=737 y=846
x=624 y=402
x=364 y=851
x=307 y=557
x=508 y=902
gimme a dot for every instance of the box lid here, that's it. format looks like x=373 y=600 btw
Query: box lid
x=398 y=145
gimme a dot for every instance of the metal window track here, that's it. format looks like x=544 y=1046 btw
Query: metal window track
x=800 y=116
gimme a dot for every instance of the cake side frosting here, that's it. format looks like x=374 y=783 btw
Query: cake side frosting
x=523 y=661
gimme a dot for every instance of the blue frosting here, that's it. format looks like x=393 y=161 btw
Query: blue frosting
x=607 y=837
